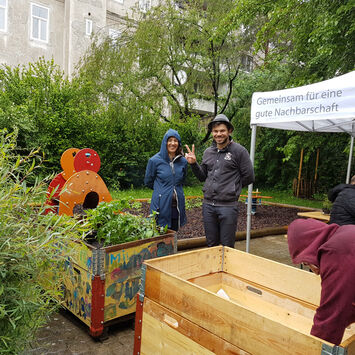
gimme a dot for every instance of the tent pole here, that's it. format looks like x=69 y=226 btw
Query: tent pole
x=350 y=159
x=299 y=174
x=250 y=187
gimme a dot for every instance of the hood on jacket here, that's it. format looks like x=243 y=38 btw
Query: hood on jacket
x=163 y=148
x=305 y=237
x=334 y=192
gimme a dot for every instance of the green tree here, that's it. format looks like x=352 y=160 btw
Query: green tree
x=48 y=110
x=170 y=61
x=32 y=246
x=316 y=37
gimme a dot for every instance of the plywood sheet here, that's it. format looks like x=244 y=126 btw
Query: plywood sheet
x=164 y=332
x=190 y=264
x=282 y=278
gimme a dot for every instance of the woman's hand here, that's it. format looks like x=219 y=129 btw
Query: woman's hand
x=190 y=155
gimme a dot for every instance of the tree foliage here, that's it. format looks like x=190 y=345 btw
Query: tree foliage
x=150 y=58
x=316 y=37
x=49 y=111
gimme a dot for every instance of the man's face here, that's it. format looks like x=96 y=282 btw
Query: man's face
x=221 y=133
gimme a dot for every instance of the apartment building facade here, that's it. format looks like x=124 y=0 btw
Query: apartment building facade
x=58 y=29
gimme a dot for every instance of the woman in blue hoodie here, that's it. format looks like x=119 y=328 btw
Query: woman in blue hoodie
x=165 y=174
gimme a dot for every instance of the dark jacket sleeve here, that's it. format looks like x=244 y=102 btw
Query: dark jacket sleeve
x=246 y=169
x=150 y=174
x=200 y=171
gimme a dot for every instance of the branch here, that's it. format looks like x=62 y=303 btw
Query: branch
x=230 y=89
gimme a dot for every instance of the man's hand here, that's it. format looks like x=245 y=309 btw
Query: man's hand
x=190 y=155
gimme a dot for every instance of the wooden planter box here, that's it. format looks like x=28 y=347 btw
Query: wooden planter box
x=100 y=284
x=270 y=310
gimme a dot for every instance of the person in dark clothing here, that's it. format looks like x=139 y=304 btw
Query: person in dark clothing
x=226 y=168
x=343 y=208
x=329 y=250
x=165 y=174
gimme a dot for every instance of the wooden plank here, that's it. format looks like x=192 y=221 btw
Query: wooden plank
x=160 y=339
x=228 y=320
x=348 y=340
x=252 y=289
x=211 y=282
x=282 y=278
x=168 y=236
x=285 y=310
x=190 y=264
x=77 y=292
x=165 y=332
x=316 y=215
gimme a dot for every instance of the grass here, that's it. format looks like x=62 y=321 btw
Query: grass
x=284 y=197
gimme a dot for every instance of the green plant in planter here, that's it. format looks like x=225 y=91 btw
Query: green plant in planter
x=326 y=205
x=113 y=226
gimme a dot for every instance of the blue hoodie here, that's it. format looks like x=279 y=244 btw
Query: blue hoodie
x=164 y=176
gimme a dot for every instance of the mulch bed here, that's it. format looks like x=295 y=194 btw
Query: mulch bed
x=266 y=216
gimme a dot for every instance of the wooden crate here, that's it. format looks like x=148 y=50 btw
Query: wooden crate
x=270 y=310
x=100 y=284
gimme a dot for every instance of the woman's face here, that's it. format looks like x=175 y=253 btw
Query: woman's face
x=172 y=145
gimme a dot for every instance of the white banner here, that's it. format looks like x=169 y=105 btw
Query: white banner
x=325 y=106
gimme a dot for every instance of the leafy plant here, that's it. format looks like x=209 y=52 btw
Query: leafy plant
x=326 y=205
x=113 y=226
x=31 y=248
x=193 y=202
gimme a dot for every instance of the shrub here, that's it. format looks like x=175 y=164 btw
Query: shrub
x=30 y=247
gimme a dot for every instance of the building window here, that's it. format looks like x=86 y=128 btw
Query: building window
x=39 y=22
x=3 y=15
x=88 y=27
x=145 y=5
x=247 y=63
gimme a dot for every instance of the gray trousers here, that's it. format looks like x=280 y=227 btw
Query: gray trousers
x=220 y=224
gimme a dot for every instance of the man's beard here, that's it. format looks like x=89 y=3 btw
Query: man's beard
x=223 y=142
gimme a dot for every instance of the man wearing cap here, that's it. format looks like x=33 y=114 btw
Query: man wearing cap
x=226 y=168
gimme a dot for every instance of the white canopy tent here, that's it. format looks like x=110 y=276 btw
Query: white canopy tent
x=327 y=106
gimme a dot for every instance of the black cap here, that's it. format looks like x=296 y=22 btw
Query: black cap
x=221 y=118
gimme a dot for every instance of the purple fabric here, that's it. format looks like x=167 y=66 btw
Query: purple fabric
x=332 y=249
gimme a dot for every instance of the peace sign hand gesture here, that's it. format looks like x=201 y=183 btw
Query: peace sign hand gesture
x=190 y=155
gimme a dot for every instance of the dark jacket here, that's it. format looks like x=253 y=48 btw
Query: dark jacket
x=225 y=172
x=332 y=249
x=164 y=176
x=343 y=208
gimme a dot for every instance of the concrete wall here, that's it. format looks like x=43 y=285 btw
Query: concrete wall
x=67 y=39
x=76 y=14
x=16 y=45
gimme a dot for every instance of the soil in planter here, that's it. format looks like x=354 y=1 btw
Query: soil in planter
x=266 y=216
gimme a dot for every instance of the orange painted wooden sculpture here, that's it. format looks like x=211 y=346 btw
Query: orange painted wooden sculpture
x=78 y=186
